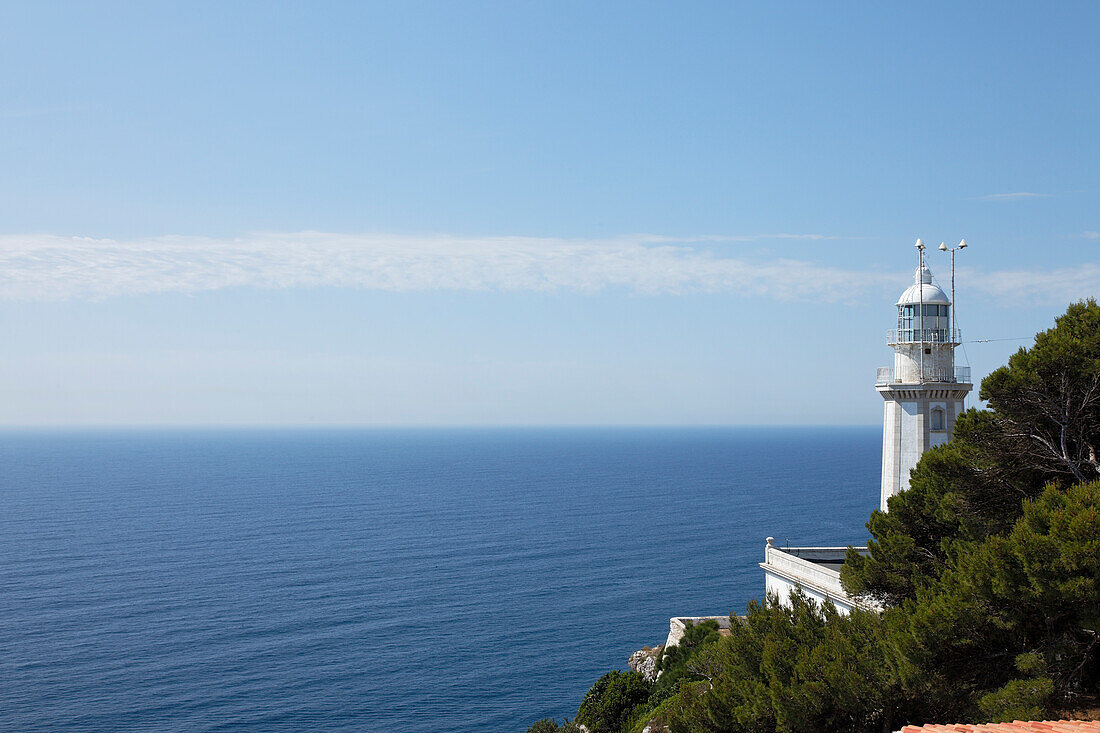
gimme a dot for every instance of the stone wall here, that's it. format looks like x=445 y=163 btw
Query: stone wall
x=678 y=625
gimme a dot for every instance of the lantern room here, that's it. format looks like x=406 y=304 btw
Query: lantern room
x=924 y=312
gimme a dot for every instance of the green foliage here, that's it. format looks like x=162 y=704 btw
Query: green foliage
x=1031 y=663
x=1031 y=595
x=674 y=663
x=911 y=541
x=549 y=725
x=1042 y=581
x=1021 y=699
x=610 y=704
x=1052 y=556
x=1047 y=400
x=1018 y=700
x=546 y=725
x=656 y=716
x=801 y=668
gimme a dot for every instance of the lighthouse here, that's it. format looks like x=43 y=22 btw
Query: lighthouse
x=924 y=392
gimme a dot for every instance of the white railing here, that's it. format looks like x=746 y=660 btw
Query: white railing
x=804 y=571
x=928 y=336
x=961 y=375
x=801 y=571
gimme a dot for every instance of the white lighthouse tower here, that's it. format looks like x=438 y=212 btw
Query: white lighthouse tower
x=924 y=391
x=923 y=394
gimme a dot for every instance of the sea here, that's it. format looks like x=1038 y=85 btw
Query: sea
x=383 y=580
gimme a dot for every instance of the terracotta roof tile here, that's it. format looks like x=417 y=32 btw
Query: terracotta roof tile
x=1016 y=726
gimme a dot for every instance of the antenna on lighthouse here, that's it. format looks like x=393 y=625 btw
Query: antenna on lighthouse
x=953 y=250
x=920 y=286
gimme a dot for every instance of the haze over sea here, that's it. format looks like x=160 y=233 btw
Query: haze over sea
x=390 y=580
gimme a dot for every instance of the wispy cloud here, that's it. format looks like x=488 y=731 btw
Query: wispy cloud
x=1012 y=196
x=1015 y=287
x=1090 y=235
x=655 y=238
x=46 y=267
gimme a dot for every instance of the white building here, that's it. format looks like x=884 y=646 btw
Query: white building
x=924 y=392
x=816 y=570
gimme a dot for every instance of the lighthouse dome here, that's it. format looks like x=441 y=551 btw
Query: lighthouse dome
x=923 y=290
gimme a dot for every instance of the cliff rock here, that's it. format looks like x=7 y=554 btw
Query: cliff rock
x=644 y=661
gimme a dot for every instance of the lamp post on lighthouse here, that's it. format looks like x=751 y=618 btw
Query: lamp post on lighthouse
x=920 y=268
x=924 y=392
x=953 y=250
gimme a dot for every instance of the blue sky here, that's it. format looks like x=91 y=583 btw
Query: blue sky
x=524 y=213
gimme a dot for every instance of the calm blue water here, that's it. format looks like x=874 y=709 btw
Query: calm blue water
x=421 y=580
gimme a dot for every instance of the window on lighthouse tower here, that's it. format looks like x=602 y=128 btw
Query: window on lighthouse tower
x=937 y=419
x=937 y=323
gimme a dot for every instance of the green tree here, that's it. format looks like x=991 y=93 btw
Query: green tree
x=790 y=668
x=1043 y=426
x=546 y=725
x=1043 y=581
x=674 y=663
x=1030 y=592
x=613 y=701
x=549 y=725
x=1046 y=401
x=1021 y=699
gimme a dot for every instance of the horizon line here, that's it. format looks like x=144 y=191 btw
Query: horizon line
x=414 y=426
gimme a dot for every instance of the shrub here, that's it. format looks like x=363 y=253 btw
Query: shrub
x=611 y=702
x=549 y=725
x=673 y=661
x=1018 y=700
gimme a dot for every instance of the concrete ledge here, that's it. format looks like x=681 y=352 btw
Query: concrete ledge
x=814 y=569
x=678 y=626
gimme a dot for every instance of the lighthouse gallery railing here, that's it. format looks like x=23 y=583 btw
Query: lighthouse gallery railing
x=961 y=375
x=930 y=335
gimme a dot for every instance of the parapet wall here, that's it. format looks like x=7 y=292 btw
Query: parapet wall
x=813 y=569
x=678 y=626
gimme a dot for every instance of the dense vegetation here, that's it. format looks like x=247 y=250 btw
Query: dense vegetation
x=987 y=570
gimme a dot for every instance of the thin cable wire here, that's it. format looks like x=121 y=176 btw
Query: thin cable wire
x=986 y=341
x=954 y=322
x=956 y=326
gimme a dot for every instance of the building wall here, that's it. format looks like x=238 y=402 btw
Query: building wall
x=937 y=364
x=891 y=454
x=912 y=415
x=907 y=428
x=788 y=568
x=782 y=587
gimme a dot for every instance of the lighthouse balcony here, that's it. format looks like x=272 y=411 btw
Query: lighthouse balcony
x=960 y=375
x=952 y=336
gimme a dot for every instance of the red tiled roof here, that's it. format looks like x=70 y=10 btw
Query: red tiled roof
x=1016 y=726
